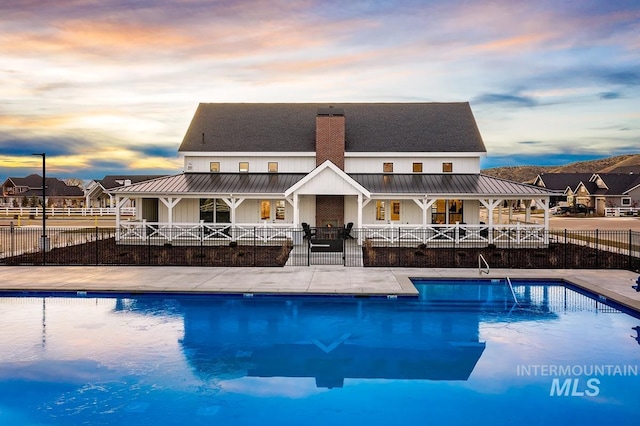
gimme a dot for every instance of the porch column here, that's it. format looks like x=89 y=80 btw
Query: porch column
x=233 y=203
x=490 y=204
x=296 y=209
x=360 y=207
x=170 y=202
x=425 y=204
x=527 y=211
x=117 y=217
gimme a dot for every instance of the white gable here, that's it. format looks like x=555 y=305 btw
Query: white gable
x=327 y=179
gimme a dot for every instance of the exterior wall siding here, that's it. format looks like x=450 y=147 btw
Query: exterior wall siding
x=256 y=164
x=405 y=164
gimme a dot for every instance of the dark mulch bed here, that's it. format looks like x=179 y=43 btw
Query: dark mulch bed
x=107 y=252
x=569 y=256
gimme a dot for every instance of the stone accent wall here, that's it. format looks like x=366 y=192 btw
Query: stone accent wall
x=329 y=210
x=330 y=139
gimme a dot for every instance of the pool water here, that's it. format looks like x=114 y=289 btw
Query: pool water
x=463 y=352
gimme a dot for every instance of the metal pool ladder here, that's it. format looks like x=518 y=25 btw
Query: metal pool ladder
x=513 y=293
x=482 y=260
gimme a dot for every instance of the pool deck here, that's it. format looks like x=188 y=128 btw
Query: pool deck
x=313 y=280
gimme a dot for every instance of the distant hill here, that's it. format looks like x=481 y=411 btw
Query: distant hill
x=528 y=174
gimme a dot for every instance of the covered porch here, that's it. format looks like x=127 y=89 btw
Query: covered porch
x=399 y=209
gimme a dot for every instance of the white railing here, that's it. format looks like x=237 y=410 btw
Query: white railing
x=65 y=211
x=457 y=233
x=203 y=232
x=385 y=234
x=621 y=211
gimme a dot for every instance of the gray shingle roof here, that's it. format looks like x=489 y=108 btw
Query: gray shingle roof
x=618 y=183
x=372 y=127
x=560 y=181
x=278 y=183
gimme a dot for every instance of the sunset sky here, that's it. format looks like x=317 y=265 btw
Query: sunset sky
x=109 y=87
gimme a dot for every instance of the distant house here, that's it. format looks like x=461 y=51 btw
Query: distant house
x=375 y=166
x=596 y=190
x=19 y=191
x=97 y=193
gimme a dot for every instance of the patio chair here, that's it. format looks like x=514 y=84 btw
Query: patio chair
x=346 y=232
x=308 y=232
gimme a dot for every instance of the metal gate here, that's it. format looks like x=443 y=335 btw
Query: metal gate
x=326 y=251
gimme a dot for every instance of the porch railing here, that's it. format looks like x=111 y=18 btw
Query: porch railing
x=456 y=233
x=435 y=234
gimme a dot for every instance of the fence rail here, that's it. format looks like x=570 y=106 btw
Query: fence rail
x=621 y=211
x=65 y=211
x=269 y=245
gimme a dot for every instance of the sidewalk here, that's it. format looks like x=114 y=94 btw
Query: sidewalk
x=314 y=280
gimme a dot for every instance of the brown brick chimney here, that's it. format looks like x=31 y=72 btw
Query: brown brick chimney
x=330 y=136
x=330 y=146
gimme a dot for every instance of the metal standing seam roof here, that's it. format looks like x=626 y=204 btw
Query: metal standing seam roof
x=216 y=183
x=278 y=183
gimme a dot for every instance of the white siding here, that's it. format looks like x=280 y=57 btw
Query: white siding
x=327 y=182
x=405 y=165
x=307 y=205
x=257 y=164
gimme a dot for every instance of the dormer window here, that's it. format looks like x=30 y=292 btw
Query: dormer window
x=243 y=167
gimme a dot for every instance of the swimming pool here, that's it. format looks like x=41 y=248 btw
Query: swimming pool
x=462 y=352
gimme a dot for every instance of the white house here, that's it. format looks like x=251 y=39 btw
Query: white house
x=376 y=165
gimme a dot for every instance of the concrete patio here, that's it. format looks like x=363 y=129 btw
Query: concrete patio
x=314 y=280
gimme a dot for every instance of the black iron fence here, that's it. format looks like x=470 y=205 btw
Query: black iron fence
x=367 y=247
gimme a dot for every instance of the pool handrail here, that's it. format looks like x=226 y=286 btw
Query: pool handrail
x=481 y=259
x=513 y=293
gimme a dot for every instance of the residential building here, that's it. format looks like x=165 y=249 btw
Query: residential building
x=375 y=165
x=97 y=193
x=22 y=191
x=599 y=191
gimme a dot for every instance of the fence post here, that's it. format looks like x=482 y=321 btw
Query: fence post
x=630 y=259
x=12 y=238
x=565 y=248
x=96 y=242
x=148 y=248
x=597 y=250
x=201 y=244
x=254 y=245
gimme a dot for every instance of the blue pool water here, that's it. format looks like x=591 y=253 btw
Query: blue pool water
x=463 y=352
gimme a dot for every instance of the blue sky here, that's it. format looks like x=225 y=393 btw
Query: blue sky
x=109 y=87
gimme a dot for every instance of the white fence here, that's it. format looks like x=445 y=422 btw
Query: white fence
x=621 y=211
x=65 y=211
x=162 y=232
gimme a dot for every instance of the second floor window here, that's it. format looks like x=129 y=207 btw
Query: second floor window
x=417 y=167
x=214 y=167
x=447 y=167
x=272 y=167
x=244 y=167
x=387 y=167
